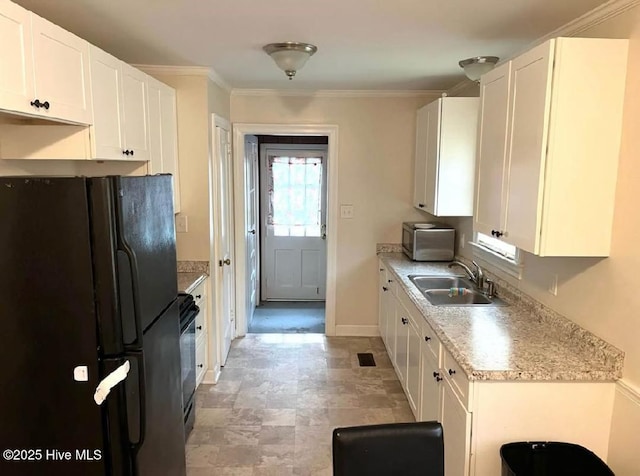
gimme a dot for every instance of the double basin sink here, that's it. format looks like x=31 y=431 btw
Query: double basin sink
x=453 y=291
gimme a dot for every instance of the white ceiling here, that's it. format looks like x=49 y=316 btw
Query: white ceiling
x=362 y=44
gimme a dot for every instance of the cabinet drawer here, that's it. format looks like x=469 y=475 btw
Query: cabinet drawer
x=200 y=292
x=391 y=283
x=456 y=377
x=201 y=360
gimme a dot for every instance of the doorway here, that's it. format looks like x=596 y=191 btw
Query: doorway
x=242 y=184
x=293 y=196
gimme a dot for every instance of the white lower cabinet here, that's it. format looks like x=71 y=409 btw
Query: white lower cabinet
x=456 y=424
x=202 y=334
x=479 y=416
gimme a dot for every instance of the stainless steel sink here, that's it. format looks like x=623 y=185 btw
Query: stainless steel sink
x=453 y=291
x=424 y=283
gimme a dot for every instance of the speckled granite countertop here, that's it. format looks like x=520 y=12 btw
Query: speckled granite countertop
x=521 y=341
x=190 y=274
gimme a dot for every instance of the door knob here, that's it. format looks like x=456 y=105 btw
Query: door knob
x=253 y=232
x=227 y=261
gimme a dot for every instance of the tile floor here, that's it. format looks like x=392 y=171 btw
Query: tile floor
x=279 y=398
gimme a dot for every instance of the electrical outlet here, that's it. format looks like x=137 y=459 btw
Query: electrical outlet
x=553 y=285
x=346 y=211
x=182 y=224
x=462 y=241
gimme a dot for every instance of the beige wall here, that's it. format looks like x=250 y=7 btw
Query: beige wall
x=376 y=138
x=602 y=295
x=197 y=98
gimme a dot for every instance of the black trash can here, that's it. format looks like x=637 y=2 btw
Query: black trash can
x=550 y=458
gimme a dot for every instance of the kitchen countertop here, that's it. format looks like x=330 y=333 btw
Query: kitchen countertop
x=516 y=342
x=189 y=280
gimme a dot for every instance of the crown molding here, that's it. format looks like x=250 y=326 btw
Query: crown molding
x=629 y=391
x=575 y=27
x=185 y=71
x=461 y=86
x=338 y=93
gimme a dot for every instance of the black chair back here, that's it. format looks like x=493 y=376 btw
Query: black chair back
x=396 y=449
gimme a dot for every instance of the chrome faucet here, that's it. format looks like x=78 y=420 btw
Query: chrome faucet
x=477 y=277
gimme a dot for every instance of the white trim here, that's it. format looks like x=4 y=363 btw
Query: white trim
x=338 y=93
x=590 y=19
x=498 y=261
x=211 y=376
x=185 y=71
x=461 y=86
x=357 y=331
x=329 y=130
x=628 y=391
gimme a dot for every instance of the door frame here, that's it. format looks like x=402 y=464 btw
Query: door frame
x=331 y=132
x=263 y=232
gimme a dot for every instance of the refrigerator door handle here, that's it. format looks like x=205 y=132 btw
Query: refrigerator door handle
x=133 y=268
x=142 y=423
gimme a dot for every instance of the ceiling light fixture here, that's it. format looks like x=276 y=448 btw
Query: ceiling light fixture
x=290 y=56
x=477 y=66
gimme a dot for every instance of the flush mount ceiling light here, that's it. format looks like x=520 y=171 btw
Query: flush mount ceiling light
x=477 y=66
x=290 y=56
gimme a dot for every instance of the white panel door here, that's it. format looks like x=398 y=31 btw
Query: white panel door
x=251 y=217
x=492 y=165
x=61 y=72
x=16 y=60
x=293 y=217
x=225 y=275
x=420 y=164
x=531 y=99
x=136 y=128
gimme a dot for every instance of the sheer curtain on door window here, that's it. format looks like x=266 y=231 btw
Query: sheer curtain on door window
x=295 y=195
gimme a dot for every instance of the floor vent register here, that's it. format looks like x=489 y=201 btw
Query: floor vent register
x=366 y=360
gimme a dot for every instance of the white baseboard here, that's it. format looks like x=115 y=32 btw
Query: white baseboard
x=357 y=331
x=211 y=376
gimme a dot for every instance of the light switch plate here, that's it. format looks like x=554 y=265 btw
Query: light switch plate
x=182 y=224
x=346 y=211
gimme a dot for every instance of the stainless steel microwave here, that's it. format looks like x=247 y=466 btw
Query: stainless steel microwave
x=428 y=241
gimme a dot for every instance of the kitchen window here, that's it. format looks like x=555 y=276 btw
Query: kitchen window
x=499 y=254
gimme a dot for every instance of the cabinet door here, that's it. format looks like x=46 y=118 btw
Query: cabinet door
x=382 y=311
x=531 y=75
x=169 y=125
x=420 y=164
x=491 y=164
x=402 y=342
x=456 y=425
x=431 y=181
x=136 y=127
x=107 y=131
x=16 y=60
x=413 y=368
x=61 y=72
x=430 y=381
x=155 y=126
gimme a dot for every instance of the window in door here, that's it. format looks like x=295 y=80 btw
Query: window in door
x=295 y=196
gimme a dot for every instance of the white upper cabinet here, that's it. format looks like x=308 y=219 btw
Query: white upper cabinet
x=120 y=130
x=163 y=134
x=491 y=162
x=548 y=148
x=136 y=127
x=16 y=59
x=445 y=156
x=45 y=69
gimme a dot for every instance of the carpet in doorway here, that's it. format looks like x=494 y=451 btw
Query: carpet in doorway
x=289 y=317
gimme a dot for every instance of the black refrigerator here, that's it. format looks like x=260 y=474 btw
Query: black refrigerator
x=87 y=283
